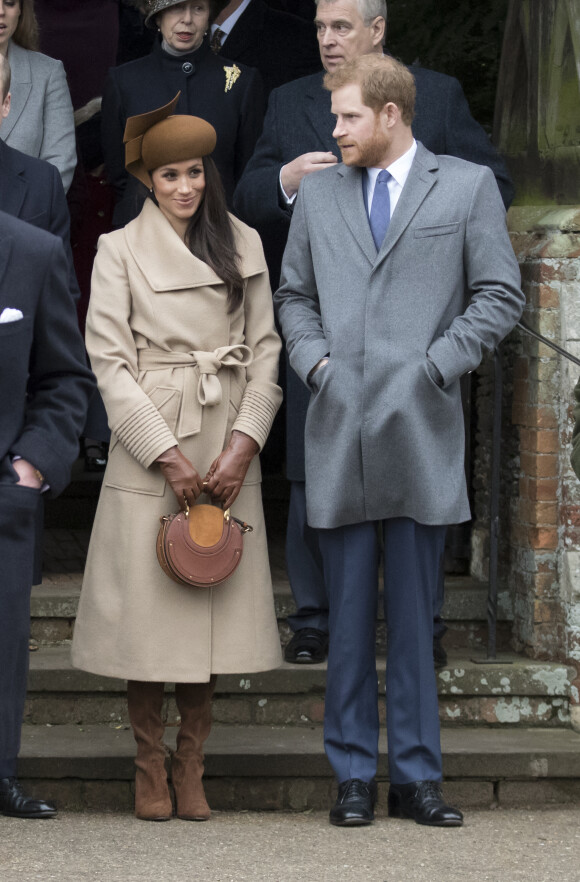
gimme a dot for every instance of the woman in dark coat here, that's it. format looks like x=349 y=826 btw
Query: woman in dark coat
x=227 y=95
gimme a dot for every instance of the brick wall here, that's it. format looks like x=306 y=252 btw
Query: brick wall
x=545 y=523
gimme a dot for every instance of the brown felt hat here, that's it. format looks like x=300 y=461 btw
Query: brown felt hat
x=153 y=7
x=159 y=138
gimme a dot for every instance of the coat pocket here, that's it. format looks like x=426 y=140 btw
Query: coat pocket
x=123 y=471
x=319 y=376
x=439 y=230
x=14 y=329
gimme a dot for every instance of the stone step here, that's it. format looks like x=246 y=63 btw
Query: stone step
x=522 y=693
x=263 y=767
x=54 y=605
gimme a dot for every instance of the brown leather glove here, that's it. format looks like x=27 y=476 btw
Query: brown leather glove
x=179 y=473
x=227 y=473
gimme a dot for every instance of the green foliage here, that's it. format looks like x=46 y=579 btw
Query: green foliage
x=463 y=39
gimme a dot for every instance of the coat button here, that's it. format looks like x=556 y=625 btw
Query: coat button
x=187 y=67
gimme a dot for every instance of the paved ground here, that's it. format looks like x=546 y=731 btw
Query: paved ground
x=493 y=846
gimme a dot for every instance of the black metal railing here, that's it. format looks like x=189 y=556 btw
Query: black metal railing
x=495 y=488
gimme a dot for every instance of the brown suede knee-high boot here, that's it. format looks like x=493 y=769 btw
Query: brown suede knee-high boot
x=194 y=705
x=152 y=797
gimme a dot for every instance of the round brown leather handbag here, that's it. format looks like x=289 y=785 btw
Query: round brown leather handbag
x=200 y=546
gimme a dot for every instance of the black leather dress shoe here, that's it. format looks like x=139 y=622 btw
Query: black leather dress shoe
x=439 y=654
x=309 y=646
x=355 y=804
x=14 y=804
x=422 y=801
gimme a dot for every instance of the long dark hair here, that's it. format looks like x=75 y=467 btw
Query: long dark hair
x=210 y=235
x=26 y=33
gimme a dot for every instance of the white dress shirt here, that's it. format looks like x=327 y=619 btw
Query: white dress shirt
x=399 y=171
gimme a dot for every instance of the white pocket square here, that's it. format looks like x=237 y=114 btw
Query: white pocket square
x=10 y=315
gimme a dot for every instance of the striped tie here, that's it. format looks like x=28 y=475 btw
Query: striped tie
x=216 y=40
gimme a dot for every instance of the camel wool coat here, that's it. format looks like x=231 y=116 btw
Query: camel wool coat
x=174 y=367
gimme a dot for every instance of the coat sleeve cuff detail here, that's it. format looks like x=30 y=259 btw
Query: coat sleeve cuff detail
x=145 y=434
x=257 y=412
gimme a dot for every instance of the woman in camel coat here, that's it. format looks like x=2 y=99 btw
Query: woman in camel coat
x=188 y=376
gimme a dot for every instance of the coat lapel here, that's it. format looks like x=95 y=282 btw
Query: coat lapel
x=421 y=179
x=349 y=195
x=12 y=185
x=151 y=235
x=5 y=249
x=21 y=76
x=167 y=263
x=320 y=119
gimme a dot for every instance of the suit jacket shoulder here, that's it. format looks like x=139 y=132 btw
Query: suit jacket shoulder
x=25 y=62
x=310 y=85
x=443 y=122
x=134 y=74
x=31 y=189
x=41 y=121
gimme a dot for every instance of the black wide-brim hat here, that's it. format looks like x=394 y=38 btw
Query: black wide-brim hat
x=153 y=7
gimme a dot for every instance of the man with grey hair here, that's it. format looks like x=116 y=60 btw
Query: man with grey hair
x=296 y=142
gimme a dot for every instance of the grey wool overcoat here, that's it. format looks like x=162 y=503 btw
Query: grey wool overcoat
x=174 y=367
x=41 y=121
x=382 y=438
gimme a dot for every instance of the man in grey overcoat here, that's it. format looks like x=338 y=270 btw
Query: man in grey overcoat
x=397 y=277
x=296 y=141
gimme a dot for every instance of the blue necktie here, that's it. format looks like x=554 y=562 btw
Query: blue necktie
x=380 y=209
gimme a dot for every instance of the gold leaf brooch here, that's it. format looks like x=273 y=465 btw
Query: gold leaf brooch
x=232 y=76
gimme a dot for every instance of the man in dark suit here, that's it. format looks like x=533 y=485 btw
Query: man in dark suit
x=297 y=141
x=32 y=190
x=44 y=389
x=281 y=46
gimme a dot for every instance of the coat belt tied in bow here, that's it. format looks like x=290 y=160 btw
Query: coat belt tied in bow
x=209 y=389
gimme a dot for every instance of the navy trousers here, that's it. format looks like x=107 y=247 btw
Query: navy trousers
x=305 y=571
x=412 y=554
x=18 y=507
